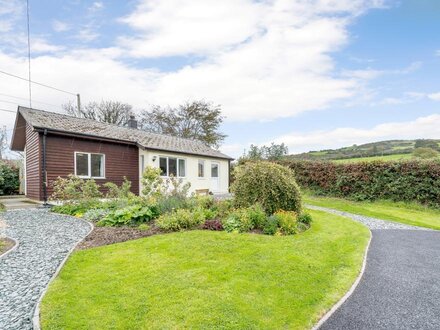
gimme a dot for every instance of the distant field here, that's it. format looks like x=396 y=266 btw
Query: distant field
x=370 y=159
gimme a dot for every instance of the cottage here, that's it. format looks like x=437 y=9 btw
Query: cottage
x=56 y=145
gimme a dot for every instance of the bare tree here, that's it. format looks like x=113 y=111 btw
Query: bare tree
x=198 y=120
x=112 y=112
x=3 y=141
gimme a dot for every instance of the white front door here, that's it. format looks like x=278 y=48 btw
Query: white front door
x=215 y=176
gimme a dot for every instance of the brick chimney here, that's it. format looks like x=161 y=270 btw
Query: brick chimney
x=132 y=122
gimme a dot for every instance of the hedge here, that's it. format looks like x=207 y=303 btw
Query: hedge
x=410 y=181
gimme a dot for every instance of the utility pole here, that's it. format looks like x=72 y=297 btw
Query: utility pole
x=78 y=101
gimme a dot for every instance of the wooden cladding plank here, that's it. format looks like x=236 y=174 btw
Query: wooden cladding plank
x=33 y=170
x=121 y=160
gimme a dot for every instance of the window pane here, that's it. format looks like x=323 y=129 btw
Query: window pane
x=182 y=167
x=82 y=164
x=97 y=163
x=201 y=168
x=163 y=166
x=172 y=166
x=214 y=170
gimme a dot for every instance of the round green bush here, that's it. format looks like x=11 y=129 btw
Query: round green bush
x=271 y=185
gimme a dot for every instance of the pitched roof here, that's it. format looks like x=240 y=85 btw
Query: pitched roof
x=82 y=126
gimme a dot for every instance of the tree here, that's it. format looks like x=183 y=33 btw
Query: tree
x=3 y=141
x=112 y=112
x=272 y=152
x=425 y=153
x=422 y=143
x=199 y=120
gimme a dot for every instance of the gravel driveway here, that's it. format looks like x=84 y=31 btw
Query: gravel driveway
x=44 y=241
x=400 y=287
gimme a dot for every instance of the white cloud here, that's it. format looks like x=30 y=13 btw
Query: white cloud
x=96 y=6
x=434 y=96
x=423 y=127
x=262 y=60
x=60 y=26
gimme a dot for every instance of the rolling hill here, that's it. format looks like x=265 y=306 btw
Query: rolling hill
x=392 y=149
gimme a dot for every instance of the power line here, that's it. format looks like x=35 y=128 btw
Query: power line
x=24 y=98
x=29 y=53
x=37 y=83
x=8 y=110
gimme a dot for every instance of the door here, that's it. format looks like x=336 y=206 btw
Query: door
x=215 y=177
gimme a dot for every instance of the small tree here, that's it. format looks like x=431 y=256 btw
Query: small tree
x=273 y=152
x=199 y=120
x=271 y=185
x=112 y=112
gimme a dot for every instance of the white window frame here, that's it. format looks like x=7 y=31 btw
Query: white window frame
x=89 y=165
x=203 y=162
x=177 y=166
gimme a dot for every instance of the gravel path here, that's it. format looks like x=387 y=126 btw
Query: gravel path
x=44 y=241
x=371 y=223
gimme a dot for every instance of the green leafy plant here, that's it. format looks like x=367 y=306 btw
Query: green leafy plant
x=287 y=222
x=239 y=220
x=169 y=204
x=130 y=215
x=180 y=219
x=175 y=187
x=305 y=218
x=123 y=191
x=152 y=182
x=271 y=185
x=95 y=215
x=271 y=225
x=144 y=227
x=73 y=188
x=9 y=178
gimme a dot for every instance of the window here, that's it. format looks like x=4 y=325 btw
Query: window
x=88 y=165
x=214 y=170
x=171 y=166
x=201 y=169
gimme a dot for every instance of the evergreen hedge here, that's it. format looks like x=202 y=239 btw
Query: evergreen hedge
x=410 y=181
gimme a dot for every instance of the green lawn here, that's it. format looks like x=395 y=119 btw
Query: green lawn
x=203 y=280
x=370 y=159
x=411 y=214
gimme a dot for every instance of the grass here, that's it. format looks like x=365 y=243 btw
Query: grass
x=411 y=214
x=373 y=158
x=204 y=279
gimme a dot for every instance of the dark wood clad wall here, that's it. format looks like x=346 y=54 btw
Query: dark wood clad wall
x=33 y=161
x=120 y=159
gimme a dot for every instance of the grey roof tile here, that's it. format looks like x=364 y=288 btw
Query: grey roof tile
x=74 y=125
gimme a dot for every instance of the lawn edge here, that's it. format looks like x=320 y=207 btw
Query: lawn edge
x=13 y=248
x=350 y=291
x=36 y=314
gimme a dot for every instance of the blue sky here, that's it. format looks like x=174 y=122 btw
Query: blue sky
x=313 y=74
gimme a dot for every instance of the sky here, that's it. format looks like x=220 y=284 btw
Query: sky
x=312 y=74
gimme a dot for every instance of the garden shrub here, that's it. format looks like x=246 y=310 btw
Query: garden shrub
x=73 y=188
x=144 y=227
x=305 y=218
x=271 y=185
x=152 y=182
x=287 y=222
x=2 y=207
x=77 y=209
x=9 y=178
x=180 y=219
x=169 y=204
x=271 y=225
x=239 y=220
x=223 y=207
x=407 y=181
x=130 y=215
x=213 y=225
x=175 y=187
x=123 y=191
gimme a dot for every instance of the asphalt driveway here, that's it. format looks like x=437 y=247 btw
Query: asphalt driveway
x=400 y=288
